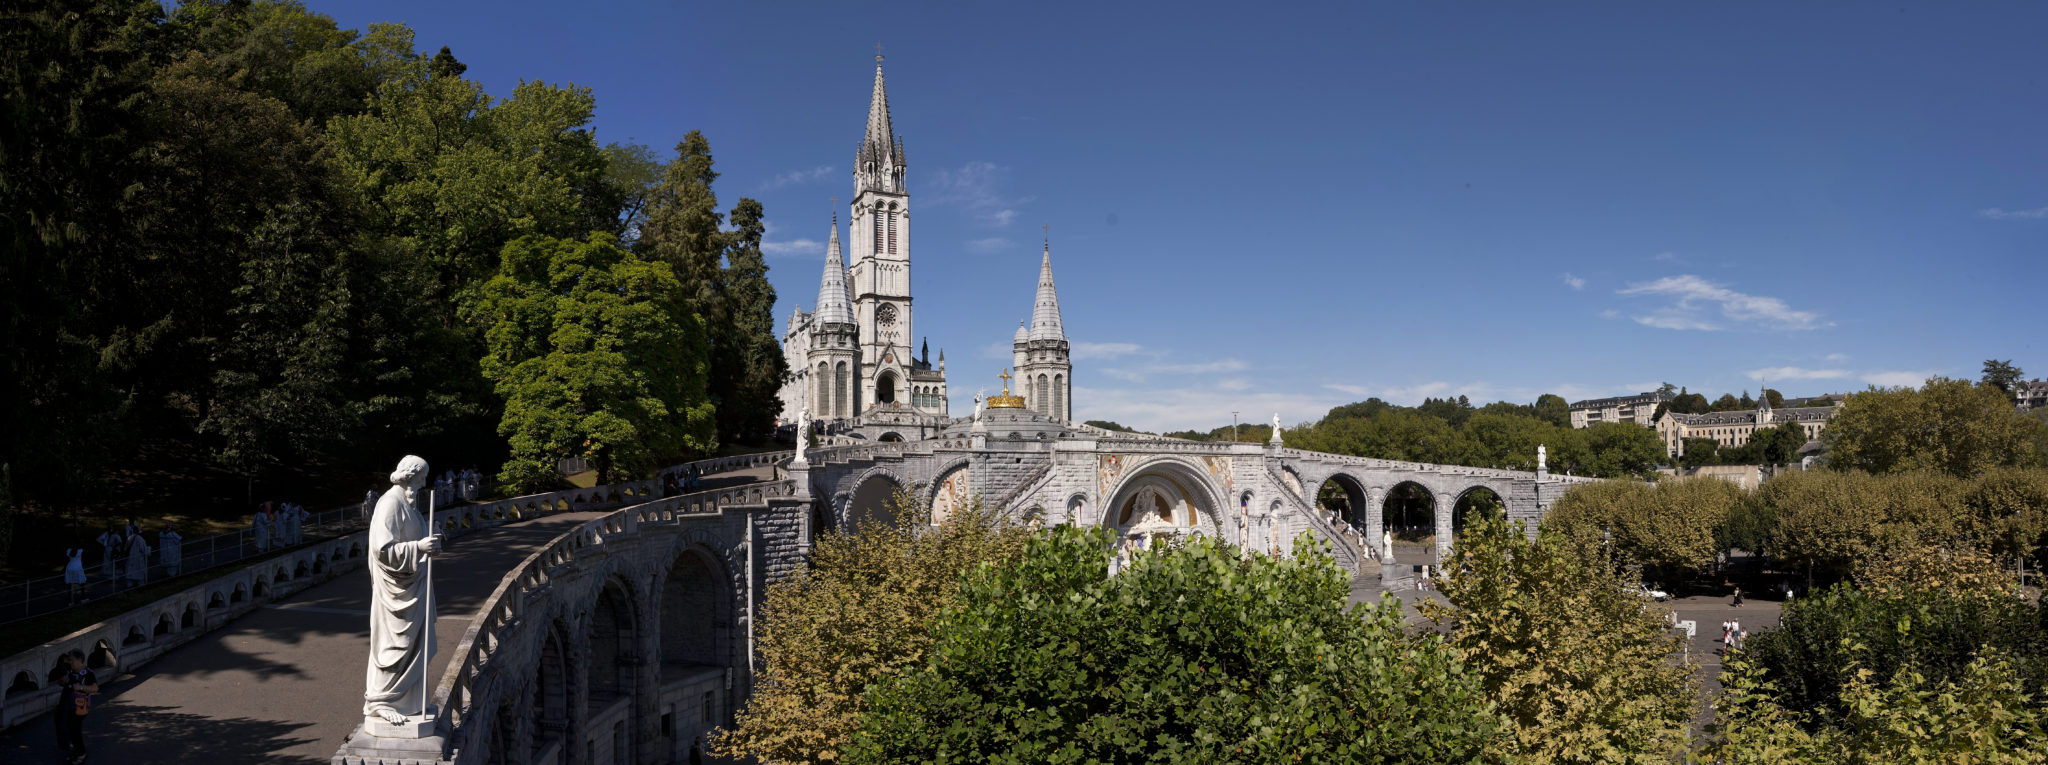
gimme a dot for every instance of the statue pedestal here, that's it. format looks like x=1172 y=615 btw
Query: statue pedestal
x=417 y=741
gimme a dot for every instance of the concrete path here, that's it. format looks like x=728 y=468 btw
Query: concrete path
x=284 y=684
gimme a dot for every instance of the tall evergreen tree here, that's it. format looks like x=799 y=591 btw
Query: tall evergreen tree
x=751 y=353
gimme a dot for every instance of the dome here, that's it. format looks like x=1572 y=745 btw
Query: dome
x=1022 y=335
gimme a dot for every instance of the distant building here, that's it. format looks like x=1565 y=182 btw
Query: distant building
x=1825 y=399
x=1733 y=429
x=1637 y=409
x=2031 y=394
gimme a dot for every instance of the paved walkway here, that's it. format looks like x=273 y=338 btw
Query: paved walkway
x=284 y=683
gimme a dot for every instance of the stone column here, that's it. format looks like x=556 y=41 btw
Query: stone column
x=1375 y=529
x=1445 y=504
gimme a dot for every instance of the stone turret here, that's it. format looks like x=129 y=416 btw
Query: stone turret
x=1042 y=353
x=833 y=361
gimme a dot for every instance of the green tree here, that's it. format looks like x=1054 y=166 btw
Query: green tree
x=1553 y=409
x=1191 y=654
x=2002 y=375
x=860 y=611
x=1825 y=521
x=1690 y=403
x=1699 y=452
x=1776 y=399
x=595 y=357
x=1984 y=716
x=749 y=360
x=1951 y=426
x=1672 y=528
x=1583 y=671
x=1614 y=450
x=1779 y=445
x=1728 y=403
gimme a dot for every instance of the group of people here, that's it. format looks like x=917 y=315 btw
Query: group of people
x=278 y=524
x=690 y=481
x=466 y=485
x=124 y=558
x=1733 y=635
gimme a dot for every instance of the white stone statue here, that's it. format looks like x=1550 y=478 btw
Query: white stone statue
x=1276 y=427
x=1387 y=545
x=803 y=433
x=401 y=601
x=1539 y=458
x=979 y=398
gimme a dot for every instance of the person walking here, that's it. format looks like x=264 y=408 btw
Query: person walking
x=259 y=528
x=79 y=685
x=74 y=571
x=137 y=548
x=170 y=548
x=697 y=751
x=1738 y=597
x=110 y=560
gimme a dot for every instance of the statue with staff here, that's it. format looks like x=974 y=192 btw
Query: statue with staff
x=402 y=546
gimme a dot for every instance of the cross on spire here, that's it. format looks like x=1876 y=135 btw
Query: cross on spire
x=878 y=53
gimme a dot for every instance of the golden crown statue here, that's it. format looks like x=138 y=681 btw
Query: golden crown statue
x=1006 y=401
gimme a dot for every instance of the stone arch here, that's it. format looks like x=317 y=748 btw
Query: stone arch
x=1473 y=500
x=102 y=657
x=164 y=625
x=611 y=668
x=891 y=437
x=24 y=682
x=1077 y=508
x=697 y=616
x=1345 y=495
x=550 y=709
x=1162 y=496
x=191 y=616
x=241 y=593
x=1409 y=510
x=873 y=499
x=885 y=387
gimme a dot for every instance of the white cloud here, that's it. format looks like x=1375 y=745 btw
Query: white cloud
x=1667 y=257
x=797 y=177
x=1610 y=314
x=976 y=187
x=1355 y=390
x=1997 y=213
x=1145 y=372
x=990 y=245
x=1897 y=379
x=1795 y=373
x=774 y=248
x=1234 y=384
x=1574 y=282
x=1125 y=375
x=1693 y=297
x=1091 y=351
x=1837 y=357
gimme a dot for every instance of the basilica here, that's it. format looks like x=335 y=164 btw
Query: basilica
x=850 y=358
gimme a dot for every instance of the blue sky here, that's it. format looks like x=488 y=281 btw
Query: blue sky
x=1285 y=207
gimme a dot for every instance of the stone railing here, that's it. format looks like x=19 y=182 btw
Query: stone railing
x=1173 y=445
x=124 y=642
x=1030 y=485
x=1420 y=467
x=498 y=626
x=729 y=464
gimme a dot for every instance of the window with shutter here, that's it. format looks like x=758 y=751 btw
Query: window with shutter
x=892 y=232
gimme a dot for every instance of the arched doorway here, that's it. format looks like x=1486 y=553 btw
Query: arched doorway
x=1409 y=513
x=874 y=501
x=697 y=620
x=885 y=387
x=1476 y=502
x=1161 y=501
x=891 y=438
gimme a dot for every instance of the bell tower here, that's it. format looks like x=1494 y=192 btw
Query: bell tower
x=880 y=246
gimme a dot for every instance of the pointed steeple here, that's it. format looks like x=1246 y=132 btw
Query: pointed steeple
x=1045 y=314
x=835 y=296
x=879 y=161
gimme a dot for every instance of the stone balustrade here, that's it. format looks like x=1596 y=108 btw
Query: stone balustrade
x=125 y=642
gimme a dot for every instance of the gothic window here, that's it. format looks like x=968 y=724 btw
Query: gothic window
x=823 y=382
x=1059 y=398
x=877 y=226
x=839 y=390
x=892 y=232
x=1044 y=395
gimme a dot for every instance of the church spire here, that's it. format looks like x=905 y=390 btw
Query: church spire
x=835 y=297
x=879 y=161
x=1045 y=314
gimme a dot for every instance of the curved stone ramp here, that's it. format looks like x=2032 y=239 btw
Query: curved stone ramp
x=284 y=684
